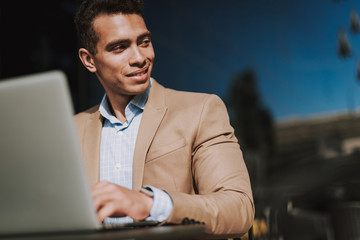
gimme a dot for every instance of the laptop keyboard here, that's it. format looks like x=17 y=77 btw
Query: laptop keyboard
x=115 y=226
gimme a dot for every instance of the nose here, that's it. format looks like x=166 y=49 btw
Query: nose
x=137 y=58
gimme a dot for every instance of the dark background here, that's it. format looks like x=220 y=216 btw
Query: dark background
x=290 y=46
x=290 y=85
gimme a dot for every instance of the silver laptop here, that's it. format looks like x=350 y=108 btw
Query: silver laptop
x=43 y=184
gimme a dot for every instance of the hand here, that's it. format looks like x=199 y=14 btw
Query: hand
x=112 y=200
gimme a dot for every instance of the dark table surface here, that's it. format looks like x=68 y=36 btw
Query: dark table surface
x=158 y=232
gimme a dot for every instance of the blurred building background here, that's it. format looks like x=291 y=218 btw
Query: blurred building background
x=288 y=71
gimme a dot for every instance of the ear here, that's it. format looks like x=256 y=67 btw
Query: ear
x=87 y=59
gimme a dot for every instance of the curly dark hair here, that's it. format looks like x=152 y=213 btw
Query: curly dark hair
x=90 y=9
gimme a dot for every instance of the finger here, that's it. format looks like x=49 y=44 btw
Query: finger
x=103 y=188
x=108 y=192
x=100 y=185
x=101 y=199
x=110 y=209
x=98 y=203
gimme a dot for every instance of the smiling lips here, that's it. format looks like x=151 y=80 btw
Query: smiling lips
x=139 y=73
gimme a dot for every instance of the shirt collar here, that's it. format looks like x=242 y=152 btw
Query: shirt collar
x=138 y=101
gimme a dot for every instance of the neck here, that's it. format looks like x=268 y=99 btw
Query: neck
x=118 y=105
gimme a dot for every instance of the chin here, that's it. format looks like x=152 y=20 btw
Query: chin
x=141 y=88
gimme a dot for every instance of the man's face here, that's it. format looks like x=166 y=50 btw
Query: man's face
x=125 y=55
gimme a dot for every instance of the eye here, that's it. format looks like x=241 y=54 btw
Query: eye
x=118 y=48
x=145 y=42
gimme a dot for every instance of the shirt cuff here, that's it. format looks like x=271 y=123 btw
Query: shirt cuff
x=162 y=205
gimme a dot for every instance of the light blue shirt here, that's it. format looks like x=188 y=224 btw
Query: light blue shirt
x=117 y=151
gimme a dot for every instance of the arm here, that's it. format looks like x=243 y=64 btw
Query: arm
x=224 y=200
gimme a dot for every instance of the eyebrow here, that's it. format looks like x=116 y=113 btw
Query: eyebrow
x=112 y=44
x=144 y=35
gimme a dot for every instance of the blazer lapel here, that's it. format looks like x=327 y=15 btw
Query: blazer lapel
x=153 y=114
x=92 y=140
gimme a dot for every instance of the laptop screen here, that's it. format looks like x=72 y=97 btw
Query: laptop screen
x=43 y=183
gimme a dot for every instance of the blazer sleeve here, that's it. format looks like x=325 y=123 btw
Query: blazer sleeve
x=223 y=199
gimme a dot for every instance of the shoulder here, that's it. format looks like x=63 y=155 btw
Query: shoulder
x=175 y=97
x=82 y=117
x=87 y=113
x=200 y=104
x=181 y=100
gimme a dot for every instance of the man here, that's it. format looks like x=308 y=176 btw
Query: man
x=178 y=145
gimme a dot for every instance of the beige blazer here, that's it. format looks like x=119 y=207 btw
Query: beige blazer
x=185 y=146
